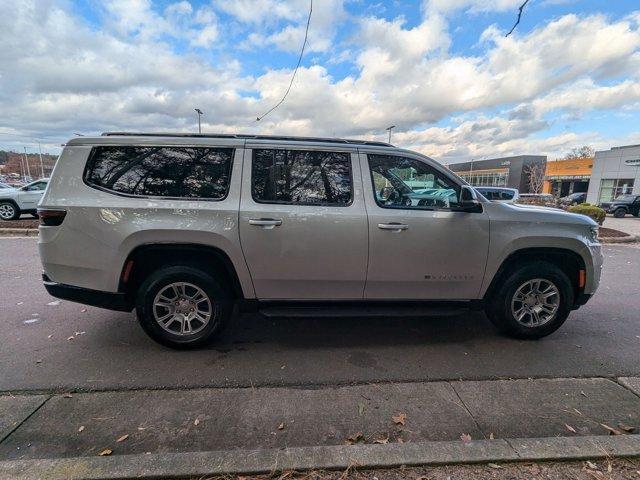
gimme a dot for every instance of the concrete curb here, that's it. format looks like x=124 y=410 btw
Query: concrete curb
x=233 y=462
x=18 y=232
x=629 y=239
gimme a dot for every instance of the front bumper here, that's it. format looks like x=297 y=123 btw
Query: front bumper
x=95 y=298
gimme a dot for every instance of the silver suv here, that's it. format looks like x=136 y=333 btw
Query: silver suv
x=182 y=228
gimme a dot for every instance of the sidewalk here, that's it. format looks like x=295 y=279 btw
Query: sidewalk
x=393 y=418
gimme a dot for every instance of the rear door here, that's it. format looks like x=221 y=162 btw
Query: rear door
x=420 y=246
x=303 y=225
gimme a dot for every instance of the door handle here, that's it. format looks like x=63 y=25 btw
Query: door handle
x=266 y=223
x=395 y=227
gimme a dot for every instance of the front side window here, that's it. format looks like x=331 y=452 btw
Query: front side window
x=36 y=187
x=170 y=172
x=301 y=177
x=401 y=182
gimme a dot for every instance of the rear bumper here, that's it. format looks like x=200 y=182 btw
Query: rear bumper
x=95 y=298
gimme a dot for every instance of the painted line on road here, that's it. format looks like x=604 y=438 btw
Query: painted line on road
x=235 y=462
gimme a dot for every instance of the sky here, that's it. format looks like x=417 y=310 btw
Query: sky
x=441 y=71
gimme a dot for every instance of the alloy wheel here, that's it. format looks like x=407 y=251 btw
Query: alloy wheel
x=183 y=309
x=7 y=211
x=535 y=302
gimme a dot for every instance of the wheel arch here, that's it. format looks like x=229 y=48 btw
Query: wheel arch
x=145 y=259
x=569 y=261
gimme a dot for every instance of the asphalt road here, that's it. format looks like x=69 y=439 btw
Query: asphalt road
x=67 y=346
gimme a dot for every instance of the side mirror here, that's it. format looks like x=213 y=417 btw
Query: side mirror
x=469 y=200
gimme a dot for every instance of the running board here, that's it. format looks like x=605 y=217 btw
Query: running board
x=365 y=310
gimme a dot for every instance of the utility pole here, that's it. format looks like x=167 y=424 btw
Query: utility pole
x=41 y=162
x=389 y=130
x=199 y=112
x=26 y=160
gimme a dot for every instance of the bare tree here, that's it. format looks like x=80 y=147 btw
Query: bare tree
x=535 y=177
x=582 y=152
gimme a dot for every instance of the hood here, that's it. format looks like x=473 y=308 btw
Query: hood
x=550 y=214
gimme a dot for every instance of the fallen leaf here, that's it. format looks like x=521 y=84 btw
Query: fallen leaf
x=55 y=303
x=592 y=465
x=611 y=430
x=281 y=426
x=282 y=367
x=123 y=438
x=627 y=428
x=400 y=419
x=491 y=436
x=465 y=437
x=71 y=337
x=609 y=467
x=141 y=428
x=105 y=452
x=355 y=438
x=361 y=409
x=81 y=428
x=66 y=395
x=582 y=393
x=49 y=336
x=494 y=465
x=20 y=303
x=381 y=441
x=83 y=310
x=570 y=428
x=196 y=422
x=31 y=320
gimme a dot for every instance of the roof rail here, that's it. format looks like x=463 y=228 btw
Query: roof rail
x=251 y=137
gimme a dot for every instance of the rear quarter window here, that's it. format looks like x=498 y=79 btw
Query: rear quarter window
x=166 y=172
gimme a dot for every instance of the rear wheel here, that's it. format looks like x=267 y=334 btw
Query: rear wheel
x=532 y=302
x=619 y=212
x=182 y=306
x=9 y=211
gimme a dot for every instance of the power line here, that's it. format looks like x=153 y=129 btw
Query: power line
x=518 y=19
x=304 y=44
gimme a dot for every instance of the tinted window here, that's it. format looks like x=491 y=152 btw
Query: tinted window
x=401 y=182
x=178 y=172
x=301 y=177
x=37 y=186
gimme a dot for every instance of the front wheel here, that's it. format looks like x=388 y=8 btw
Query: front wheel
x=182 y=306
x=9 y=211
x=532 y=302
x=619 y=213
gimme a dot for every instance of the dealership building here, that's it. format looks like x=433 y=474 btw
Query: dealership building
x=512 y=172
x=615 y=172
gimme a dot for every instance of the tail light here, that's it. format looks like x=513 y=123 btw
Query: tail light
x=51 y=218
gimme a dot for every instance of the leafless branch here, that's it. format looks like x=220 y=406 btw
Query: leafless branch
x=518 y=19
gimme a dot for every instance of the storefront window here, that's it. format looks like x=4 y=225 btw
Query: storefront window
x=613 y=188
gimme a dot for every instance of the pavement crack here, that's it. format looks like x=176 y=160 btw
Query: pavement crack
x=464 y=405
x=12 y=431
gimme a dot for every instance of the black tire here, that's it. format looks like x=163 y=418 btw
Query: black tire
x=619 y=212
x=220 y=302
x=499 y=306
x=10 y=210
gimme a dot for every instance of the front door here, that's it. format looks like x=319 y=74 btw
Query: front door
x=31 y=195
x=303 y=224
x=420 y=246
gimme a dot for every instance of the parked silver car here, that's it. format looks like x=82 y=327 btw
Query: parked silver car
x=16 y=201
x=182 y=227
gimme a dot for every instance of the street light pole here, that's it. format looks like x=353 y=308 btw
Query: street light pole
x=199 y=112
x=26 y=159
x=389 y=130
x=41 y=162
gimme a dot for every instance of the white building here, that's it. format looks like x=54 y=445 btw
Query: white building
x=615 y=172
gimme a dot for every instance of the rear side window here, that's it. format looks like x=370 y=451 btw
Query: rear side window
x=170 y=172
x=301 y=177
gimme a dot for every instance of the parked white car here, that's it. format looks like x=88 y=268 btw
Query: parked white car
x=16 y=201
